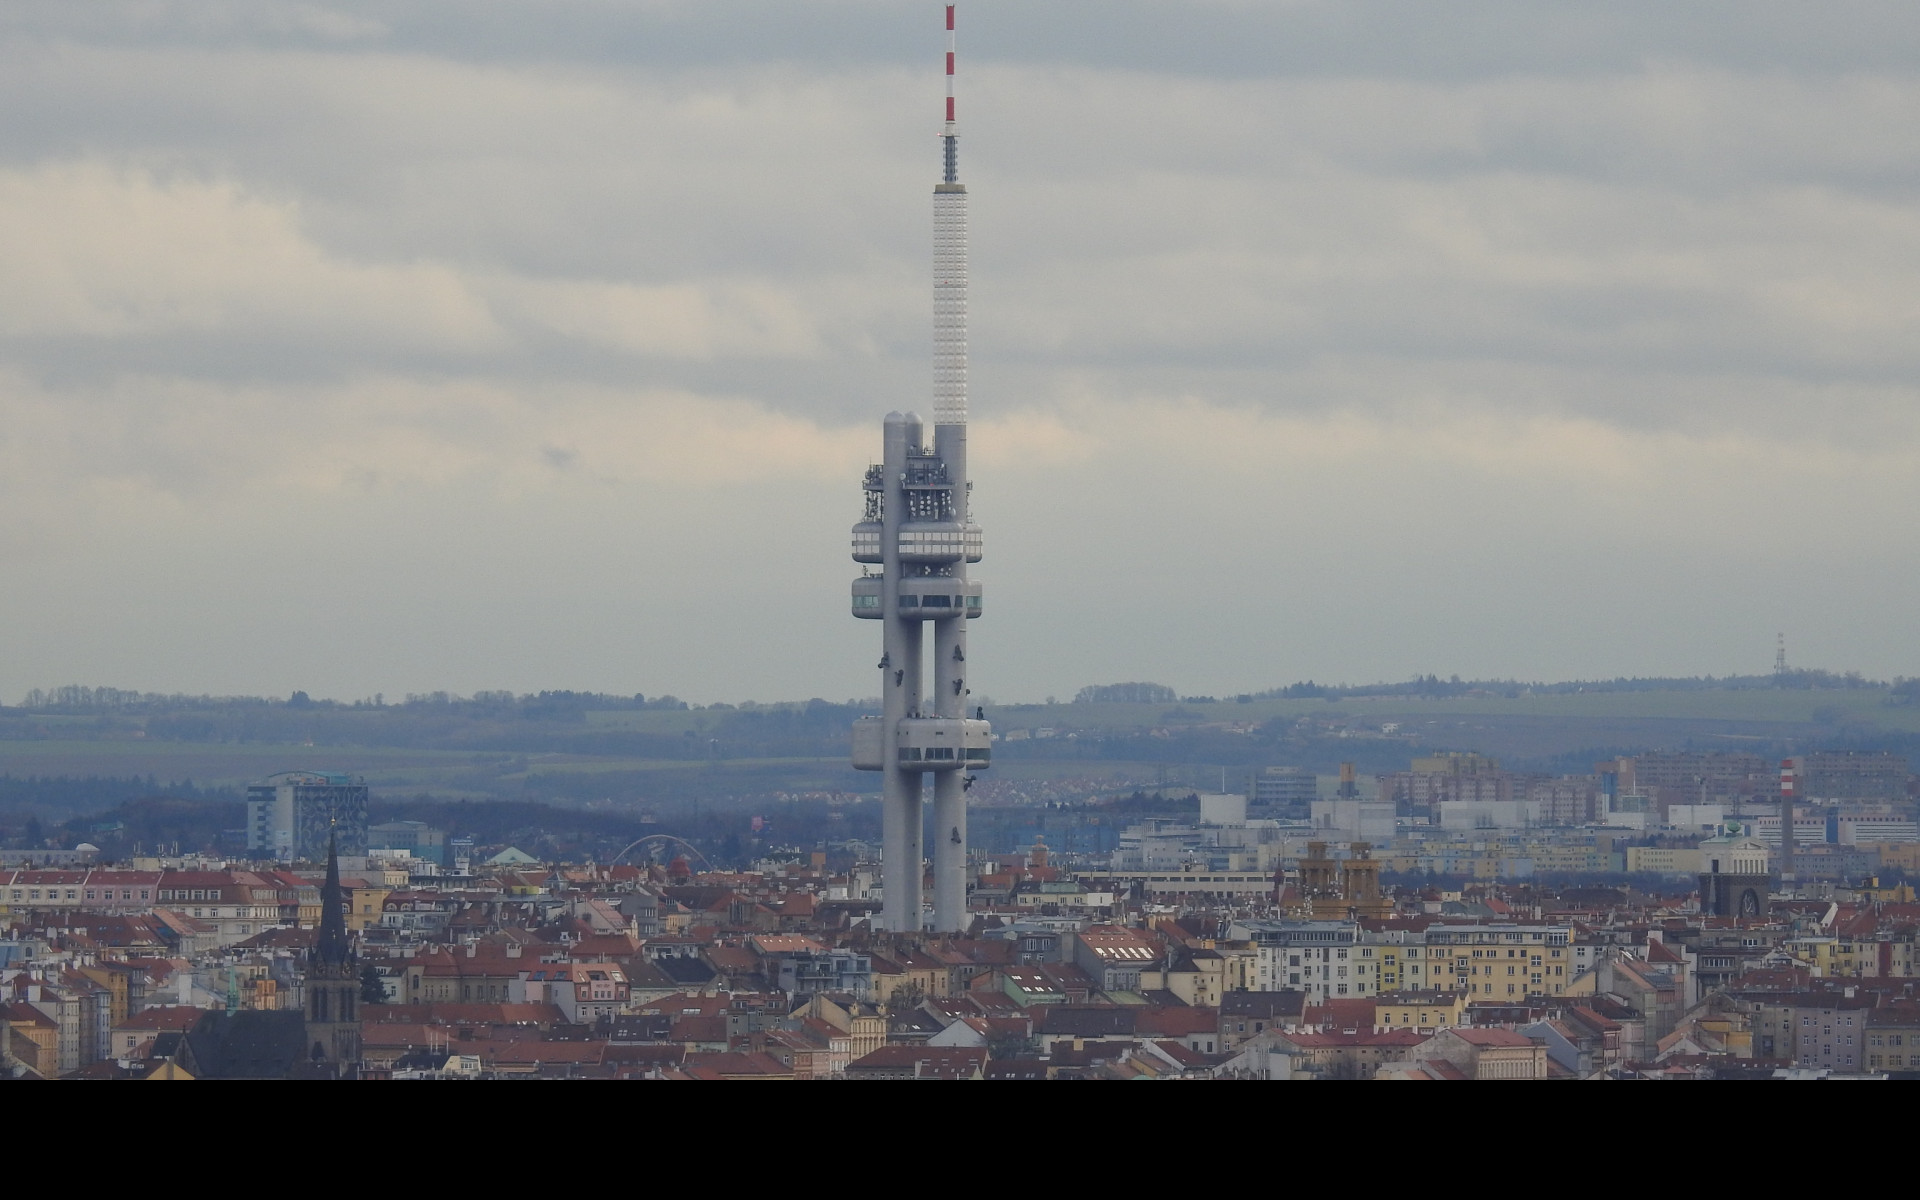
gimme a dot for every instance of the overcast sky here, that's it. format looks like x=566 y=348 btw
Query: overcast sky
x=401 y=346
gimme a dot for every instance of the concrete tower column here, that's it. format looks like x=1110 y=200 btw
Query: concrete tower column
x=949 y=787
x=901 y=687
x=950 y=700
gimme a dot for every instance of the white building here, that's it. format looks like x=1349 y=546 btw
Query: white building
x=1353 y=821
x=1463 y=816
x=1327 y=960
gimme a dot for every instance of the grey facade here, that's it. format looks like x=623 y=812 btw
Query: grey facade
x=1291 y=790
x=416 y=837
x=293 y=814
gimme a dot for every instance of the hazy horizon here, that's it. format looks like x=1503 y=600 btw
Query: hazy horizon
x=383 y=348
x=1747 y=681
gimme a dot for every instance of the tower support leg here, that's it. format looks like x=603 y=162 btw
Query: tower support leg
x=949 y=853
x=901 y=850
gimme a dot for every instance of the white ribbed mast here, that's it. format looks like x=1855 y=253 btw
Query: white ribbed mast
x=950 y=271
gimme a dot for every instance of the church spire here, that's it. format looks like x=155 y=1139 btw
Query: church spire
x=331 y=948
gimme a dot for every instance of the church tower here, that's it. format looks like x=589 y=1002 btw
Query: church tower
x=332 y=982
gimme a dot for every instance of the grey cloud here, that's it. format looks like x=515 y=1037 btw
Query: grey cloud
x=1219 y=38
x=1497 y=338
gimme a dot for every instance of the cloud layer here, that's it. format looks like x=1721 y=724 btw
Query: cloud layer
x=384 y=348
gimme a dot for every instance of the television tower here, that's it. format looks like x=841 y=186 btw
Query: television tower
x=918 y=526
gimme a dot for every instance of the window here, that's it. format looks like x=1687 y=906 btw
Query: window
x=909 y=602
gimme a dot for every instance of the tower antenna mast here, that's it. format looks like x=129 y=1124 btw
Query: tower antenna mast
x=949 y=136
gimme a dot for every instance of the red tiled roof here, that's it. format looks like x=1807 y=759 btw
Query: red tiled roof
x=1175 y=1022
x=1489 y=1037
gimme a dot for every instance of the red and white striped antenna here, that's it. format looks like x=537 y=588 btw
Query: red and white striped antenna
x=950 y=139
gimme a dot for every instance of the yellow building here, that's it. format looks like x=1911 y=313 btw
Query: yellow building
x=1485 y=962
x=1423 y=1012
x=1891 y=893
x=364 y=903
x=1664 y=860
x=1905 y=855
x=1567 y=858
x=1828 y=958
x=1843 y=958
x=113 y=977
x=1240 y=964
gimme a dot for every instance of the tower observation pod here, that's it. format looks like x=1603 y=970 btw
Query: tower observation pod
x=918 y=529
